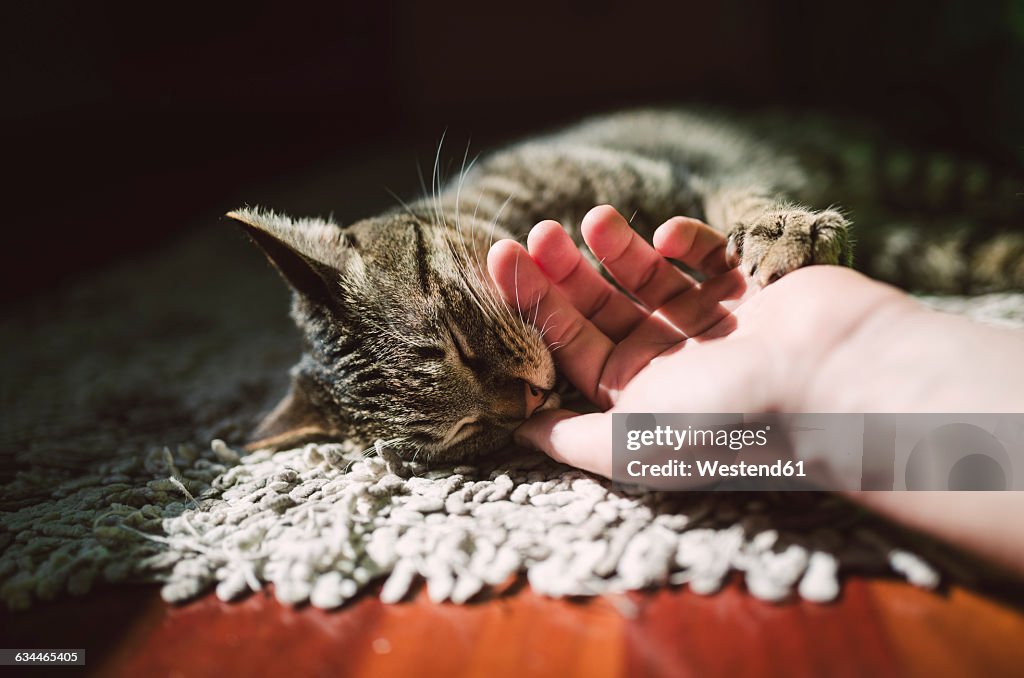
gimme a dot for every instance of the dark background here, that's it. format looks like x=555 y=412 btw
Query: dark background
x=124 y=124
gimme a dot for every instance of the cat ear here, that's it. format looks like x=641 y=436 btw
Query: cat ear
x=293 y=422
x=309 y=253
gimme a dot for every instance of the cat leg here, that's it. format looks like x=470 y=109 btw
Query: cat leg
x=771 y=237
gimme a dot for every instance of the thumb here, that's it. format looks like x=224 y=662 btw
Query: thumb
x=580 y=440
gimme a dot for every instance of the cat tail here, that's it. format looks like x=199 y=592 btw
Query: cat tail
x=949 y=226
x=926 y=221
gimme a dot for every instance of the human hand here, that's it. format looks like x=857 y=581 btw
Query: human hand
x=821 y=339
x=723 y=345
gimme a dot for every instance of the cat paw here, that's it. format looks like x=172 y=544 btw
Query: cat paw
x=787 y=238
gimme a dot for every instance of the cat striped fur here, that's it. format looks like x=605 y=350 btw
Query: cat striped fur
x=406 y=340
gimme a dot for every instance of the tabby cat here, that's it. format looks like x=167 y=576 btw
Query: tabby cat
x=406 y=340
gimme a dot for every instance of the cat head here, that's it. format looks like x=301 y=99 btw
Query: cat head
x=404 y=337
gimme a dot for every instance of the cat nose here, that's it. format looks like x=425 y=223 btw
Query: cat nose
x=533 y=397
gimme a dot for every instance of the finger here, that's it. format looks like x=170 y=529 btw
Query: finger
x=630 y=259
x=579 y=348
x=585 y=441
x=694 y=243
x=556 y=254
x=580 y=440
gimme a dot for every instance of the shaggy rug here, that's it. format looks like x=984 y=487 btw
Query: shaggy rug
x=119 y=392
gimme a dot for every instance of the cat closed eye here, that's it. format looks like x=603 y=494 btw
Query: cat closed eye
x=430 y=352
x=466 y=354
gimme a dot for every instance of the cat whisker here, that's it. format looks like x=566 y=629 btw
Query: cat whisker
x=544 y=329
x=458 y=197
x=490 y=241
x=476 y=207
x=423 y=182
x=515 y=277
x=391 y=442
x=464 y=272
x=497 y=217
x=478 y=290
x=403 y=203
x=458 y=189
x=435 y=182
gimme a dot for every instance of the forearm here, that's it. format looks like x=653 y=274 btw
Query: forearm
x=969 y=519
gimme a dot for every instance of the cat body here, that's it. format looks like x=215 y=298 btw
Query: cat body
x=405 y=339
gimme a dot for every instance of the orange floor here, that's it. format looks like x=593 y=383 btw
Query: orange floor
x=878 y=628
